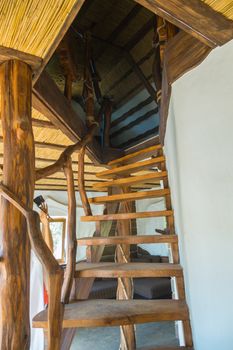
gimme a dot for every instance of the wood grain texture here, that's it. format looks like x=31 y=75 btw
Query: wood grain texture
x=128 y=270
x=49 y=100
x=195 y=17
x=68 y=151
x=71 y=234
x=132 y=180
x=182 y=54
x=130 y=168
x=18 y=176
x=100 y=313
x=53 y=272
x=81 y=183
x=124 y=197
x=132 y=157
x=139 y=239
x=189 y=53
x=7 y=53
x=127 y=216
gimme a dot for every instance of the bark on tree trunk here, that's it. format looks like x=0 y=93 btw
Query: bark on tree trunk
x=19 y=177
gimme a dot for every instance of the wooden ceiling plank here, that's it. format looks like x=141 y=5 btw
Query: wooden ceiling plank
x=195 y=17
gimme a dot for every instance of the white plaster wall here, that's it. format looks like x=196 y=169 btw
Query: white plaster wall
x=199 y=149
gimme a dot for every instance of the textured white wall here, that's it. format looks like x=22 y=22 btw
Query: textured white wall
x=199 y=149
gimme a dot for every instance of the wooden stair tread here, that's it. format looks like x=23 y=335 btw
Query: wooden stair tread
x=123 y=197
x=127 y=216
x=146 y=152
x=139 y=239
x=132 y=180
x=130 y=168
x=131 y=270
x=100 y=313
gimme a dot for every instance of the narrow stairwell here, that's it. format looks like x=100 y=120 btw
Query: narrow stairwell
x=145 y=167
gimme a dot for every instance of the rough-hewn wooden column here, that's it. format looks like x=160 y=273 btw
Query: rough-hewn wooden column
x=18 y=176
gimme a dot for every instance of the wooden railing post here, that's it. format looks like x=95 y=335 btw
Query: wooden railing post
x=19 y=177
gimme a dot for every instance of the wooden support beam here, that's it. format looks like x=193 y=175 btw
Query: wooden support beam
x=49 y=100
x=137 y=70
x=135 y=122
x=130 y=112
x=43 y=124
x=194 y=17
x=71 y=234
x=7 y=53
x=182 y=53
x=19 y=178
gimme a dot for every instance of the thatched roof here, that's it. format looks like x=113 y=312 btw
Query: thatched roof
x=116 y=26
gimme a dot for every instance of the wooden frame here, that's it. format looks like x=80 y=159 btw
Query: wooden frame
x=64 y=221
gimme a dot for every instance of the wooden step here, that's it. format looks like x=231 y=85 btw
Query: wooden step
x=139 y=239
x=100 y=313
x=124 y=197
x=142 y=154
x=131 y=270
x=133 y=180
x=131 y=168
x=127 y=216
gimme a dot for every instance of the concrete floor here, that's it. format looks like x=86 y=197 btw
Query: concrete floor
x=108 y=338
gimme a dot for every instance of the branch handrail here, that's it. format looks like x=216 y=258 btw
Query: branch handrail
x=71 y=233
x=68 y=151
x=53 y=270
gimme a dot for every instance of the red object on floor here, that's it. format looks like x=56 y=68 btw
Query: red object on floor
x=46 y=297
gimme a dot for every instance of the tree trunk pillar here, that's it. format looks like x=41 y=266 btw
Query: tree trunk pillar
x=18 y=177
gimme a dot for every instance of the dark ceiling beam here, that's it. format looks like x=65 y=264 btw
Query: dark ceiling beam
x=194 y=17
x=182 y=53
x=139 y=35
x=128 y=72
x=135 y=122
x=137 y=138
x=131 y=111
x=48 y=100
x=137 y=70
x=121 y=27
x=132 y=91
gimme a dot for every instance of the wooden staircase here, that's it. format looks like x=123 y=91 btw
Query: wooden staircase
x=144 y=167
